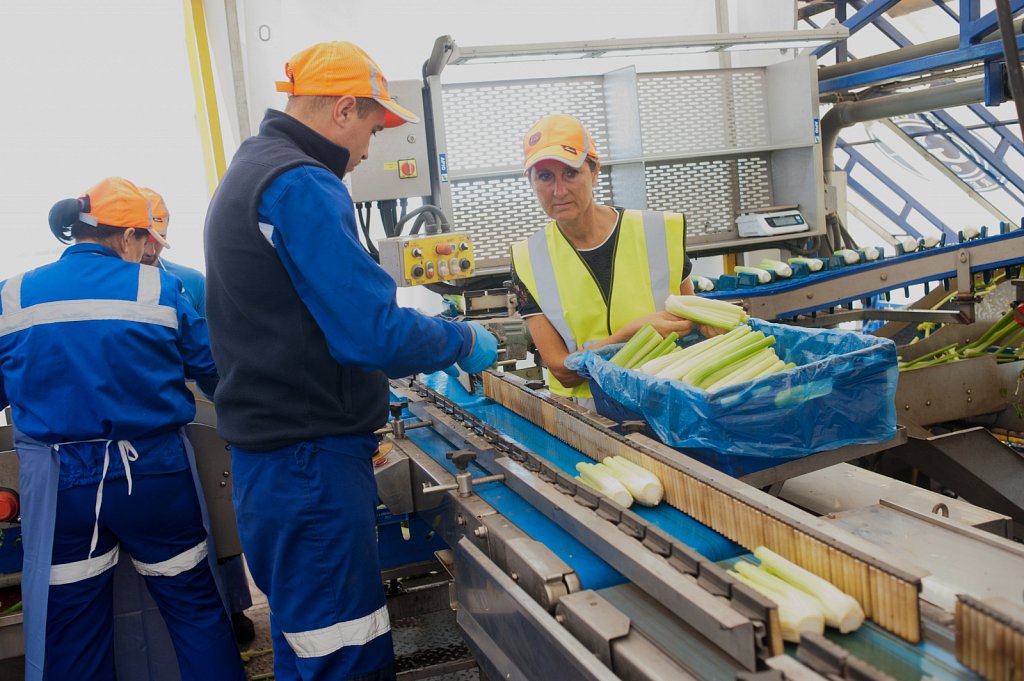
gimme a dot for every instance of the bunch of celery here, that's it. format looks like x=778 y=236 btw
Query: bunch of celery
x=623 y=481
x=806 y=601
x=706 y=311
x=645 y=345
x=1002 y=340
x=734 y=357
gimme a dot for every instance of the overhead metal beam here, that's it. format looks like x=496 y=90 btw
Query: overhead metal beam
x=873 y=9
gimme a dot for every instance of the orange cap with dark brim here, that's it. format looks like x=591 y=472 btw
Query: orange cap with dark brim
x=558 y=137
x=115 y=202
x=161 y=216
x=337 y=69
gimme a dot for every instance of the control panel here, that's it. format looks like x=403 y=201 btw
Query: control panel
x=427 y=259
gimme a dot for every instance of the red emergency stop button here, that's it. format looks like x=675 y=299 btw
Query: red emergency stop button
x=444 y=249
x=9 y=505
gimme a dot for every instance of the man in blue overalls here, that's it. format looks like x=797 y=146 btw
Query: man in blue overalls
x=230 y=571
x=305 y=330
x=94 y=354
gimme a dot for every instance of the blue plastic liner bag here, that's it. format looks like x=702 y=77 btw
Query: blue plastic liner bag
x=842 y=392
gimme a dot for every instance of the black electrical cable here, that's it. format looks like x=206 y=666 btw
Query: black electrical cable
x=1012 y=54
x=434 y=211
x=364 y=226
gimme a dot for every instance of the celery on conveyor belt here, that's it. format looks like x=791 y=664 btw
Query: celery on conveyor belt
x=706 y=311
x=813 y=264
x=763 y=275
x=781 y=269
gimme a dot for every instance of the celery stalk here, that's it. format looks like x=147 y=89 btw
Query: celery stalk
x=627 y=351
x=699 y=376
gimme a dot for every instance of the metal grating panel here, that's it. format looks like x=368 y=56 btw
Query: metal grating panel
x=499 y=212
x=710 y=193
x=508 y=109
x=684 y=113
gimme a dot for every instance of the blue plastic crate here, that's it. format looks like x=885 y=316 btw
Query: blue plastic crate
x=842 y=392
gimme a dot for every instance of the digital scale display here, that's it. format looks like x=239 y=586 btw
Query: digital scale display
x=770 y=223
x=785 y=220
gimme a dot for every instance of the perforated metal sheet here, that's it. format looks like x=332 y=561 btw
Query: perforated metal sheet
x=709 y=192
x=685 y=113
x=681 y=114
x=485 y=122
x=501 y=211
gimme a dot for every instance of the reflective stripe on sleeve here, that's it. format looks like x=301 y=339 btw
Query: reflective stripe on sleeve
x=357 y=632
x=69 y=573
x=184 y=561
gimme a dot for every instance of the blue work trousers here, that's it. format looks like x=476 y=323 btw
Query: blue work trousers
x=157 y=523
x=306 y=516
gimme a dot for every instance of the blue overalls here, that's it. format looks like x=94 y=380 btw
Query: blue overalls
x=94 y=354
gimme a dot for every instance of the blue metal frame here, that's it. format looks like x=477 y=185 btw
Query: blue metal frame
x=973 y=28
x=992 y=161
x=856 y=158
x=874 y=9
x=913 y=66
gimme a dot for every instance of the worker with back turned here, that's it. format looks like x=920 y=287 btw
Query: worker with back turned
x=305 y=331
x=95 y=350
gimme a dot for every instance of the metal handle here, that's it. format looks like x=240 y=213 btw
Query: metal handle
x=464 y=483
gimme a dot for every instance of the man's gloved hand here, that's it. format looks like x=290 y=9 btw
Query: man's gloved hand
x=484 y=353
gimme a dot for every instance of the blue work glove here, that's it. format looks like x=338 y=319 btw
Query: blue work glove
x=484 y=353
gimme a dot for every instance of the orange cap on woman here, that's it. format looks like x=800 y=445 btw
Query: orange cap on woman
x=558 y=137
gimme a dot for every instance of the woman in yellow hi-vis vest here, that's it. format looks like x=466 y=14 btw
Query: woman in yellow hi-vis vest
x=595 y=274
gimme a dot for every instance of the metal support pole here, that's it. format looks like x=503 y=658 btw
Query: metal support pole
x=1006 y=33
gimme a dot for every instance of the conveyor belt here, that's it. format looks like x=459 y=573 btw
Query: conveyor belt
x=701 y=538
x=829 y=288
x=592 y=571
x=886 y=588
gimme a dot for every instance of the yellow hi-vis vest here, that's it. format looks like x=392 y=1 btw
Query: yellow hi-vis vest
x=647 y=267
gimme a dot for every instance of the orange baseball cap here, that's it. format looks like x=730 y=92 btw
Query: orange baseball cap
x=337 y=69
x=560 y=138
x=115 y=202
x=161 y=216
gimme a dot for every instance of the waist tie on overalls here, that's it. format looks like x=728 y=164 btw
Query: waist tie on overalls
x=128 y=454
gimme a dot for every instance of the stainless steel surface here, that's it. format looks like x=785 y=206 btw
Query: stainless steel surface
x=796 y=467
x=726 y=628
x=686 y=646
x=394 y=480
x=960 y=559
x=381 y=176
x=792 y=669
x=844 y=487
x=6 y=438
x=213 y=463
x=975 y=465
x=606 y=632
x=513 y=636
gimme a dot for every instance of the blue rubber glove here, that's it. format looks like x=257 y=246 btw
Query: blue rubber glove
x=484 y=353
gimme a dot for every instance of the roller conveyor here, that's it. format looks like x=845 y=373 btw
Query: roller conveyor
x=602 y=565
